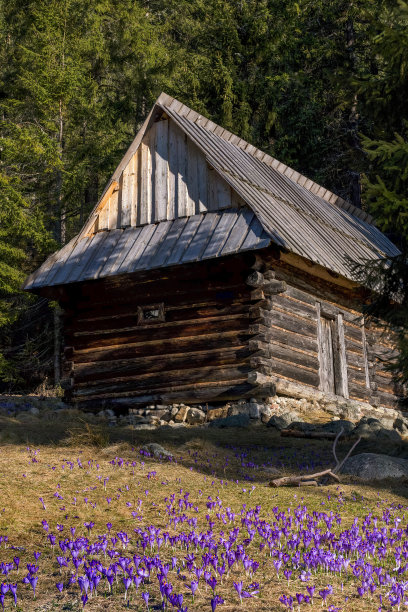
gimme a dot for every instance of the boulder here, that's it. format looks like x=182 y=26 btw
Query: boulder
x=180 y=417
x=282 y=421
x=401 y=426
x=236 y=420
x=266 y=414
x=372 y=466
x=217 y=413
x=349 y=410
x=337 y=425
x=240 y=407
x=372 y=429
x=195 y=416
x=156 y=450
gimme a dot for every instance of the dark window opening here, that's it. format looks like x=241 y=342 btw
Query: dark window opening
x=150 y=314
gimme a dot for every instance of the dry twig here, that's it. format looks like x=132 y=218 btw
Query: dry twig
x=310 y=479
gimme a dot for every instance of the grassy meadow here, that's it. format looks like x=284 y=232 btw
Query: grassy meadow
x=89 y=522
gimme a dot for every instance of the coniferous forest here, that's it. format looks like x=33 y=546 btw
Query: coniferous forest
x=322 y=85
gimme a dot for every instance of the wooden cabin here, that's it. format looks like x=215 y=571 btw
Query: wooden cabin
x=210 y=271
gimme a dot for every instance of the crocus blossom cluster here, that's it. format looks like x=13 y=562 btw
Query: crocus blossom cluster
x=202 y=552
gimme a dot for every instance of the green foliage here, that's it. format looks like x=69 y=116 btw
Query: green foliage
x=387 y=194
x=301 y=80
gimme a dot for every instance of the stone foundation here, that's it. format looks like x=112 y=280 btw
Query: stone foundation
x=320 y=408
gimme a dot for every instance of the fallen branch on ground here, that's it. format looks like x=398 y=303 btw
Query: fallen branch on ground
x=309 y=480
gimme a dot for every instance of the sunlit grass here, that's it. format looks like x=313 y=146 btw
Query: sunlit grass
x=116 y=484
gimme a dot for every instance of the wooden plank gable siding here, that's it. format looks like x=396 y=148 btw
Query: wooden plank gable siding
x=167 y=177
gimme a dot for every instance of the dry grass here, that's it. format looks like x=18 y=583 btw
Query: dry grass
x=205 y=466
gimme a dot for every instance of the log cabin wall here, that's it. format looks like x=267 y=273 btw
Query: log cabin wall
x=219 y=330
x=290 y=324
x=196 y=349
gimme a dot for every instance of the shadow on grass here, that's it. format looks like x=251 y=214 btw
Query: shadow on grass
x=251 y=455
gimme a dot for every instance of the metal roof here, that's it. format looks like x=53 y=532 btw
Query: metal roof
x=294 y=217
x=283 y=207
x=122 y=251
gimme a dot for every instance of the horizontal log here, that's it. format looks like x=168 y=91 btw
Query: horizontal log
x=354 y=333
x=353 y=347
x=286 y=337
x=152 y=327
x=285 y=321
x=257 y=378
x=381 y=352
x=174 y=345
x=173 y=294
x=291 y=306
x=356 y=375
x=274 y=287
x=321 y=289
x=356 y=360
x=268 y=365
x=165 y=379
x=299 y=295
x=179 y=330
x=129 y=319
x=289 y=354
x=359 y=391
x=200 y=391
x=158 y=363
x=295 y=373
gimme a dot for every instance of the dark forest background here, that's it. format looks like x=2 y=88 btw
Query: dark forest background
x=320 y=84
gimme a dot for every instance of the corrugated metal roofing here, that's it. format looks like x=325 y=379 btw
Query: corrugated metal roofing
x=183 y=240
x=294 y=217
x=289 y=209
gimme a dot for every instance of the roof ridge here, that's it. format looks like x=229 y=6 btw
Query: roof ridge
x=327 y=195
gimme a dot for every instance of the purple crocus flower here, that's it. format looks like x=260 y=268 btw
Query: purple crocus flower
x=60 y=586
x=145 y=597
x=127 y=582
x=216 y=601
x=33 y=581
x=311 y=590
x=238 y=587
x=13 y=589
x=193 y=587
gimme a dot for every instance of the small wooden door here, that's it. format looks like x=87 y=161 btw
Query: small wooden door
x=327 y=365
x=333 y=369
